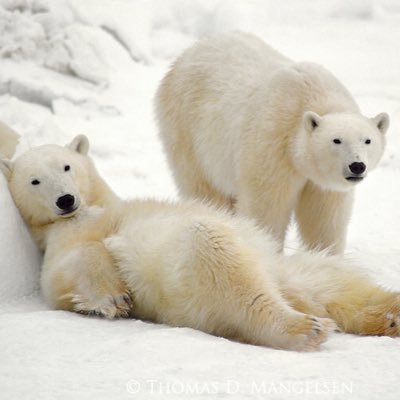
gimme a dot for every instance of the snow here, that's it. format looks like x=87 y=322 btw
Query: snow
x=69 y=67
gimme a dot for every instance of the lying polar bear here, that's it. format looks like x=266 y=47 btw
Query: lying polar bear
x=183 y=264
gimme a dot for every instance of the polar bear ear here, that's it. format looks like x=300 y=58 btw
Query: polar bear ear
x=381 y=121
x=6 y=167
x=80 y=144
x=311 y=121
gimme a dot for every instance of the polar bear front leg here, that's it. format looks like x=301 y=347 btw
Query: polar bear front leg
x=233 y=295
x=323 y=217
x=84 y=280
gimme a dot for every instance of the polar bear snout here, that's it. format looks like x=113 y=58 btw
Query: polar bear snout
x=67 y=204
x=357 y=169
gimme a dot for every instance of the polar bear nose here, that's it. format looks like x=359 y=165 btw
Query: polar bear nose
x=357 y=167
x=65 y=202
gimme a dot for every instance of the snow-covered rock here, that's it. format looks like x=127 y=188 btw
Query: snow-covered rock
x=19 y=256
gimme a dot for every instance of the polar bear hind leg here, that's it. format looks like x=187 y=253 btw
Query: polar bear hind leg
x=377 y=316
x=189 y=175
x=328 y=286
x=191 y=179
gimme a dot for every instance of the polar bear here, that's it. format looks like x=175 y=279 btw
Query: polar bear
x=247 y=128
x=184 y=264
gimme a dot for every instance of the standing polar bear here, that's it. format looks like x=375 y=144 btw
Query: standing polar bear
x=184 y=264
x=247 y=127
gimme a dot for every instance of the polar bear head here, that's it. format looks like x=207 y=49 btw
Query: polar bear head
x=337 y=150
x=50 y=181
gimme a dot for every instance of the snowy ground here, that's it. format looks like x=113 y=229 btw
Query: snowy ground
x=92 y=66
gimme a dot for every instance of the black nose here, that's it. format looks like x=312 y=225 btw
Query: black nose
x=65 y=202
x=357 y=167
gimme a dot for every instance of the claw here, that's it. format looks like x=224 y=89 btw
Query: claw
x=128 y=299
x=107 y=306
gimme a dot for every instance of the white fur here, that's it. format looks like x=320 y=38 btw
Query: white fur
x=243 y=125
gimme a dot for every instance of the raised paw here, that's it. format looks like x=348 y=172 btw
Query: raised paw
x=307 y=332
x=108 y=306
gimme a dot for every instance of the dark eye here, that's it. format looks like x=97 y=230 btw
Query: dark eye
x=368 y=141
x=35 y=182
x=67 y=168
x=337 y=141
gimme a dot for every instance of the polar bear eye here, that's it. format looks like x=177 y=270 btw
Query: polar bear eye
x=67 y=168
x=368 y=141
x=337 y=141
x=35 y=182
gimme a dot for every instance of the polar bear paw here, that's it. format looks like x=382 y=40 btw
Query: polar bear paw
x=382 y=319
x=392 y=317
x=307 y=332
x=392 y=326
x=107 y=306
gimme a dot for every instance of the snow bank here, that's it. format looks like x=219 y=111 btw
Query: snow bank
x=20 y=258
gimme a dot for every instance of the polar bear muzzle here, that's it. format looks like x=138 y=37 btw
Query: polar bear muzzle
x=357 y=169
x=67 y=204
